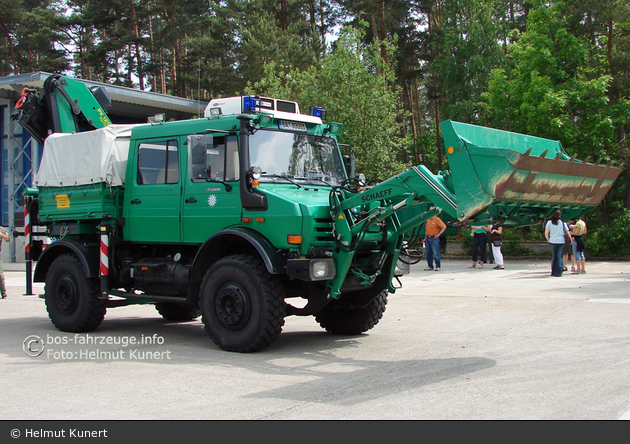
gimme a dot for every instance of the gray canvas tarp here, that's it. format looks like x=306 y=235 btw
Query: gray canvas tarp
x=85 y=158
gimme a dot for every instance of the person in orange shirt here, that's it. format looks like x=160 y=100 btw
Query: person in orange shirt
x=433 y=230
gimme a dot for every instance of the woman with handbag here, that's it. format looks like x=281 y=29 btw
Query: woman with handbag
x=568 y=242
x=555 y=233
x=495 y=239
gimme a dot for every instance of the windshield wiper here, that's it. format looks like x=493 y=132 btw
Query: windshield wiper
x=281 y=176
x=315 y=179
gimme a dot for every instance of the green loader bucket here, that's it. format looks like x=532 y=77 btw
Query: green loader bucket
x=517 y=178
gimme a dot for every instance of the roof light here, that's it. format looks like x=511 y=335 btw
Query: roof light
x=158 y=118
x=336 y=128
x=318 y=111
x=214 y=112
x=249 y=104
x=266 y=120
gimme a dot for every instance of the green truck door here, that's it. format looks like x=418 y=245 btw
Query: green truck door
x=211 y=199
x=153 y=198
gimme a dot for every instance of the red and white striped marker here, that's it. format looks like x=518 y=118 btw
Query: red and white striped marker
x=27 y=233
x=104 y=252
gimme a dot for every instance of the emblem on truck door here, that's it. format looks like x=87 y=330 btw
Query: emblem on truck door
x=212 y=200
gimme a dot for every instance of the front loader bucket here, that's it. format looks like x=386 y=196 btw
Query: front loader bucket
x=518 y=178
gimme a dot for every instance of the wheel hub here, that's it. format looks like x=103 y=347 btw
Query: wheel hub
x=232 y=306
x=66 y=295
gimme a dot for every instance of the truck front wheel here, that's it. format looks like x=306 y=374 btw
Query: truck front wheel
x=72 y=300
x=339 y=319
x=242 y=305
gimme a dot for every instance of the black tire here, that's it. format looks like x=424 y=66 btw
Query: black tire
x=242 y=305
x=72 y=300
x=176 y=312
x=341 y=320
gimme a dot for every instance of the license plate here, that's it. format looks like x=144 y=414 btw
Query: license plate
x=296 y=126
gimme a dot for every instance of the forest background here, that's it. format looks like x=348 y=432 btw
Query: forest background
x=389 y=70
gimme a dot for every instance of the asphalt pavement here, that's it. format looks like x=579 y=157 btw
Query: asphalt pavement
x=454 y=344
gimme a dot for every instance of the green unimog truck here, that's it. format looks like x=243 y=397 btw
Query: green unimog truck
x=251 y=213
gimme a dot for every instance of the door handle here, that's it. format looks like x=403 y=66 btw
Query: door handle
x=191 y=200
x=136 y=201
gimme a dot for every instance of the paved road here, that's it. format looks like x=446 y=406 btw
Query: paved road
x=454 y=344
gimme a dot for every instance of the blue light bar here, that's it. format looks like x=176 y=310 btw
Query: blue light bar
x=249 y=104
x=318 y=111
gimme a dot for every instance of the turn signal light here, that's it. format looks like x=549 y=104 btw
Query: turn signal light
x=294 y=239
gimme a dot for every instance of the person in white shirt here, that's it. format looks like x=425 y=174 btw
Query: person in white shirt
x=554 y=233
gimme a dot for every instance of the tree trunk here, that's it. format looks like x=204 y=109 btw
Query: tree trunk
x=140 y=72
x=419 y=111
x=623 y=150
x=322 y=22
x=379 y=71
x=383 y=35
x=284 y=15
x=435 y=18
x=414 y=130
x=438 y=130
x=311 y=7
x=10 y=43
x=155 y=74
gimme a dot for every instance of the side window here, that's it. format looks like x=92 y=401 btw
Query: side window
x=158 y=163
x=231 y=159
x=213 y=157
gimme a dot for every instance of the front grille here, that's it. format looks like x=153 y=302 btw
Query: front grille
x=323 y=234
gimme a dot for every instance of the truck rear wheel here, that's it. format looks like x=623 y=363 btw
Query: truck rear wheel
x=176 y=312
x=337 y=319
x=242 y=305
x=72 y=300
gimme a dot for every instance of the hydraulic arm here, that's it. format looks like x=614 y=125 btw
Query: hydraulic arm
x=65 y=106
x=367 y=217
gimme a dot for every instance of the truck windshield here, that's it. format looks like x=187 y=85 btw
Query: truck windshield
x=296 y=157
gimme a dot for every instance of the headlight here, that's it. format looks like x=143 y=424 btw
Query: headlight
x=322 y=269
x=312 y=269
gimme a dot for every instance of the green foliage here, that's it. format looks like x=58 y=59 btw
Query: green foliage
x=33 y=37
x=611 y=240
x=467 y=50
x=549 y=91
x=357 y=88
x=268 y=38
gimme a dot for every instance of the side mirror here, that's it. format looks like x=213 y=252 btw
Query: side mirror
x=349 y=164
